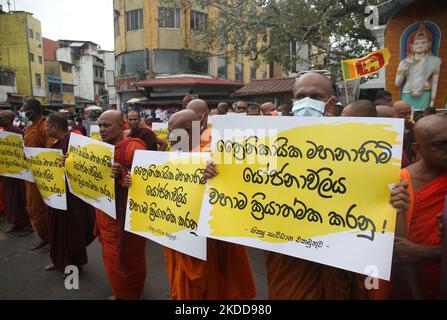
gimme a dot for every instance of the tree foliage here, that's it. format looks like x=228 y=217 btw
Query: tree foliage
x=264 y=29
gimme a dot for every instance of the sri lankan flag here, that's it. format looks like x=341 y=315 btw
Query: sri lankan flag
x=358 y=68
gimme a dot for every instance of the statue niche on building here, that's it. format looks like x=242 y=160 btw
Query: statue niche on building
x=418 y=71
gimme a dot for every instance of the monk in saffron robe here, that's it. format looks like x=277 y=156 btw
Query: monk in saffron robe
x=70 y=231
x=14 y=189
x=291 y=278
x=200 y=107
x=139 y=130
x=36 y=136
x=226 y=274
x=420 y=248
x=124 y=253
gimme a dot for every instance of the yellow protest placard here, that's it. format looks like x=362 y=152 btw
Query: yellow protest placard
x=88 y=167
x=12 y=157
x=165 y=199
x=314 y=188
x=94 y=132
x=49 y=175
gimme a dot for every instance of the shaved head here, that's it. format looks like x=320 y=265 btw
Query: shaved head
x=430 y=134
x=360 y=108
x=403 y=109
x=429 y=127
x=200 y=107
x=112 y=115
x=110 y=126
x=313 y=79
x=182 y=120
x=7 y=118
x=386 y=112
x=180 y=130
x=316 y=87
x=267 y=108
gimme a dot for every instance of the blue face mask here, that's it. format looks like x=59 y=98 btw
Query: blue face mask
x=308 y=107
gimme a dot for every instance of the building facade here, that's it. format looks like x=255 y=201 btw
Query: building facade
x=152 y=40
x=415 y=36
x=21 y=50
x=88 y=70
x=109 y=99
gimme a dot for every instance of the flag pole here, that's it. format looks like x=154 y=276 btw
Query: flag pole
x=346 y=93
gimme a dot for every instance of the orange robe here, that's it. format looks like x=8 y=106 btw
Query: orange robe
x=205 y=140
x=225 y=275
x=36 y=136
x=421 y=228
x=291 y=278
x=124 y=253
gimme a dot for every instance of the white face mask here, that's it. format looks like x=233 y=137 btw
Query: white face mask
x=70 y=128
x=279 y=113
x=308 y=107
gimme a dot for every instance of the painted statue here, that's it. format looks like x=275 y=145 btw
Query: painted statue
x=419 y=71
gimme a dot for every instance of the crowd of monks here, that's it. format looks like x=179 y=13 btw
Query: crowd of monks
x=226 y=274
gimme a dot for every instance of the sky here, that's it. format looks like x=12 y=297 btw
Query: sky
x=71 y=19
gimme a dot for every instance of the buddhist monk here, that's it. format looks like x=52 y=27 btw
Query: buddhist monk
x=214 y=112
x=222 y=108
x=360 y=108
x=268 y=108
x=403 y=110
x=284 y=110
x=200 y=107
x=14 y=189
x=420 y=247
x=36 y=136
x=124 y=253
x=226 y=274
x=291 y=278
x=386 y=112
x=253 y=110
x=142 y=132
x=71 y=230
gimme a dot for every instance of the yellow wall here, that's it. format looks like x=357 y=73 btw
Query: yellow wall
x=14 y=49
x=67 y=78
x=151 y=37
x=36 y=47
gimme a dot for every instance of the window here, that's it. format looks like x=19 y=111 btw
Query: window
x=101 y=73
x=264 y=75
x=199 y=20
x=177 y=61
x=169 y=18
x=37 y=36
x=38 y=80
x=222 y=68
x=40 y=59
x=131 y=63
x=239 y=71
x=7 y=78
x=252 y=73
x=67 y=88
x=30 y=33
x=31 y=57
x=66 y=68
x=134 y=19
x=54 y=87
x=96 y=73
